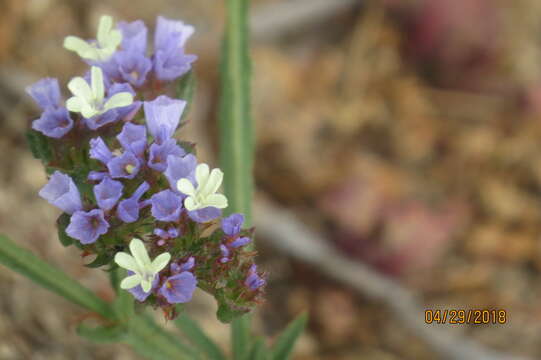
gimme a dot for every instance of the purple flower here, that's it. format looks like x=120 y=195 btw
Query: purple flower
x=99 y=150
x=186 y=266
x=125 y=166
x=166 y=205
x=134 y=36
x=160 y=152
x=53 y=122
x=171 y=33
x=134 y=138
x=171 y=233
x=240 y=242
x=61 y=192
x=107 y=193
x=138 y=293
x=225 y=254
x=205 y=215
x=180 y=167
x=46 y=93
x=133 y=67
x=232 y=224
x=87 y=226
x=170 y=61
x=128 y=209
x=163 y=116
x=179 y=288
x=253 y=281
x=97 y=175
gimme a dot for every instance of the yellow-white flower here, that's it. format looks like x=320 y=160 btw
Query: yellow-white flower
x=139 y=263
x=89 y=100
x=204 y=195
x=107 y=40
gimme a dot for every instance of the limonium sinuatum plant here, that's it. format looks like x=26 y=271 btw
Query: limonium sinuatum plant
x=132 y=195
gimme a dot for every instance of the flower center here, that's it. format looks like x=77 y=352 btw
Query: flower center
x=129 y=168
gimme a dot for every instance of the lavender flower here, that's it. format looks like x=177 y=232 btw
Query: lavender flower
x=124 y=166
x=253 y=281
x=54 y=123
x=133 y=138
x=205 y=215
x=62 y=192
x=100 y=151
x=134 y=36
x=87 y=226
x=160 y=152
x=179 y=288
x=107 y=193
x=232 y=224
x=166 y=206
x=170 y=61
x=133 y=67
x=128 y=209
x=240 y=242
x=179 y=168
x=46 y=93
x=225 y=254
x=163 y=116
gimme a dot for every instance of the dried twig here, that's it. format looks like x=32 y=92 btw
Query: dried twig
x=284 y=232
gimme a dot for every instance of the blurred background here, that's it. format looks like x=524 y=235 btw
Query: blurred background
x=404 y=134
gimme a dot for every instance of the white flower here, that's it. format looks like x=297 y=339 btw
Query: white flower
x=107 y=40
x=89 y=99
x=205 y=194
x=138 y=262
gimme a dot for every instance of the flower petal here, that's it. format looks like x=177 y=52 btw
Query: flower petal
x=104 y=27
x=185 y=186
x=160 y=262
x=139 y=252
x=201 y=174
x=80 y=88
x=98 y=89
x=190 y=204
x=78 y=45
x=217 y=200
x=130 y=282
x=126 y=261
x=118 y=100
x=213 y=183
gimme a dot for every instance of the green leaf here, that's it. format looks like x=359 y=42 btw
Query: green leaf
x=259 y=350
x=240 y=337
x=26 y=263
x=102 y=334
x=123 y=304
x=144 y=328
x=186 y=90
x=286 y=341
x=100 y=260
x=198 y=337
x=39 y=145
x=62 y=223
x=236 y=129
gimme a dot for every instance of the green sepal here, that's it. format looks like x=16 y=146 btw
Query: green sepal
x=100 y=260
x=62 y=223
x=185 y=91
x=39 y=145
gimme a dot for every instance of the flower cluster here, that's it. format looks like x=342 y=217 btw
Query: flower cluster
x=131 y=193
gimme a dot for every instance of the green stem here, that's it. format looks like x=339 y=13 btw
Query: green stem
x=237 y=138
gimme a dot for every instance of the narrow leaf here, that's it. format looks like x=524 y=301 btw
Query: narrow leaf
x=26 y=263
x=198 y=337
x=240 y=337
x=102 y=334
x=286 y=341
x=259 y=350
